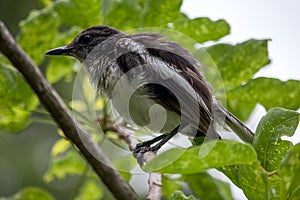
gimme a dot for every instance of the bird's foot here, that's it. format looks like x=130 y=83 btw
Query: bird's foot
x=140 y=150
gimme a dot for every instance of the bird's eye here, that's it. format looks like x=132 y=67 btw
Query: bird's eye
x=85 y=39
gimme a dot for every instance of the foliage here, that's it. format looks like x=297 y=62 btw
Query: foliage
x=17 y=100
x=262 y=176
x=194 y=160
x=179 y=195
x=267 y=169
x=30 y=193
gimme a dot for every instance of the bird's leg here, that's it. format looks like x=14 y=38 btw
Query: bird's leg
x=164 y=140
x=146 y=146
x=149 y=142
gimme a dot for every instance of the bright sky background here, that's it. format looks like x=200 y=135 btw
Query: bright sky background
x=278 y=20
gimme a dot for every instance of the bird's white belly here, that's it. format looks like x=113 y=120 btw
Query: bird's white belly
x=144 y=112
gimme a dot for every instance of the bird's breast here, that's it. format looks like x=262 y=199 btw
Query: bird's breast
x=103 y=73
x=142 y=111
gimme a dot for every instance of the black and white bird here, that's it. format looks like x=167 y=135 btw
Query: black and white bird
x=152 y=83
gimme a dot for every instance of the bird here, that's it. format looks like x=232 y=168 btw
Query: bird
x=152 y=82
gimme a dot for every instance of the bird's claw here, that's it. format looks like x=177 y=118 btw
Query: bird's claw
x=139 y=152
x=140 y=149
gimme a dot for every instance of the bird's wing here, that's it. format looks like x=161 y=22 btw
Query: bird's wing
x=184 y=91
x=180 y=58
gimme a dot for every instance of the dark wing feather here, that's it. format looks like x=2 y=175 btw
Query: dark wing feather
x=165 y=49
x=184 y=63
x=129 y=60
x=180 y=58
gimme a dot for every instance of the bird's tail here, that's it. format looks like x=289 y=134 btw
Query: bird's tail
x=234 y=123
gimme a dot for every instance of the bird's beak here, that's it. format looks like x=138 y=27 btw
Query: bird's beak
x=65 y=50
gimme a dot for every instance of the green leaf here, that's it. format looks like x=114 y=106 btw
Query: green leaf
x=159 y=13
x=269 y=92
x=252 y=179
x=163 y=14
x=122 y=9
x=124 y=165
x=68 y=163
x=30 y=193
x=179 y=195
x=60 y=146
x=59 y=68
x=238 y=64
x=79 y=13
x=242 y=110
x=37 y=33
x=274 y=185
x=46 y=3
x=166 y=14
x=270 y=149
x=205 y=186
x=90 y=190
x=290 y=174
x=218 y=53
x=17 y=100
x=200 y=158
x=201 y=29
x=170 y=185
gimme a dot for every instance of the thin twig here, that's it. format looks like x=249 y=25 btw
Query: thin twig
x=155 y=179
x=125 y=134
x=62 y=115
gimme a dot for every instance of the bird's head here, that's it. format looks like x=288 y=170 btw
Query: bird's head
x=85 y=42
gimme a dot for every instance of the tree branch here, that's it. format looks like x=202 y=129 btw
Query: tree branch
x=155 y=179
x=62 y=115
